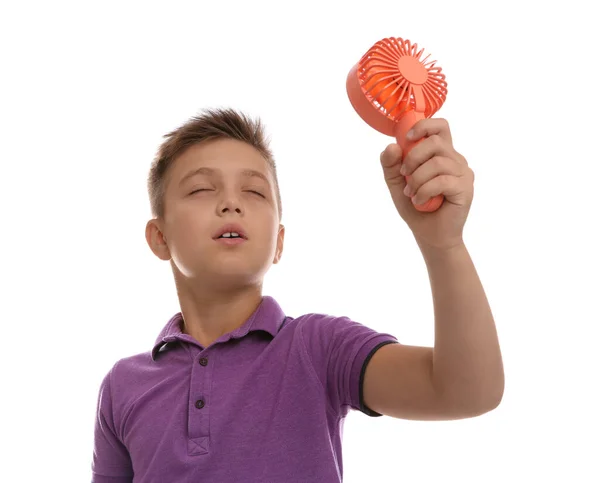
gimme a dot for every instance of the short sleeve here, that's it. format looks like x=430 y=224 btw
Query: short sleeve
x=111 y=461
x=340 y=350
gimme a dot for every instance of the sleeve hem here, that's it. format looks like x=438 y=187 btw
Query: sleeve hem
x=362 y=406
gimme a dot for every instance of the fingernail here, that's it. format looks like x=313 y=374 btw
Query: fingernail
x=407 y=190
x=403 y=170
x=410 y=134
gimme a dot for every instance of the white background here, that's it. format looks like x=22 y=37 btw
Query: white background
x=88 y=89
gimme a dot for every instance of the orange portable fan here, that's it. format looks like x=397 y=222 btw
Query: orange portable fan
x=391 y=88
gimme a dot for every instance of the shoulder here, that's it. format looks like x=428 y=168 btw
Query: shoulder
x=124 y=375
x=329 y=327
x=326 y=336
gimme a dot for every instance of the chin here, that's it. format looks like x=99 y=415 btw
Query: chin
x=234 y=271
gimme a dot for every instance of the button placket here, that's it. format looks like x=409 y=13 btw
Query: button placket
x=203 y=361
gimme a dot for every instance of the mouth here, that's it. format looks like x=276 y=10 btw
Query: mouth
x=230 y=240
x=230 y=231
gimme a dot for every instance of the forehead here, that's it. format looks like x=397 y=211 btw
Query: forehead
x=223 y=157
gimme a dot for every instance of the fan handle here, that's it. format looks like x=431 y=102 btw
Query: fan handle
x=402 y=126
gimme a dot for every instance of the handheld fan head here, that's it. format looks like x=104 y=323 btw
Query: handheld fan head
x=391 y=88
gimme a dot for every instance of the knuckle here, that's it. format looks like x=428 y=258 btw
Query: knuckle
x=422 y=194
x=438 y=162
x=414 y=185
x=437 y=141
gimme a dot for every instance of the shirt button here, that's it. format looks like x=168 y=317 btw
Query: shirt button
x=199 y=403
x=203 y=361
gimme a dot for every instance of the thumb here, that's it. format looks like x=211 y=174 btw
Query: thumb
x=391 y=162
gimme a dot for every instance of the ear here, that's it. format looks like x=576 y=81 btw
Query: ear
x=280 y=239
x=156 y=240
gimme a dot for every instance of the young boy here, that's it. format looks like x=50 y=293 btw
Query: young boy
x=233 y=390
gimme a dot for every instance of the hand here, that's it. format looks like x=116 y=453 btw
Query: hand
x=434 y=167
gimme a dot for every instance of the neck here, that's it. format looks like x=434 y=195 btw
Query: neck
x=209 y=311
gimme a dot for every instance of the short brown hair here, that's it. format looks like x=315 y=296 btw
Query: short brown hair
x=210 y=124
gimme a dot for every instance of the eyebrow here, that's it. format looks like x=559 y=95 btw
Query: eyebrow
x=248 y=173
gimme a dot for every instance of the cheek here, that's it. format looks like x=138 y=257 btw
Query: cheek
x=191 y=225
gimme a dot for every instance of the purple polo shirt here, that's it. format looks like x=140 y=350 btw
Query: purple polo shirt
x=264 y=403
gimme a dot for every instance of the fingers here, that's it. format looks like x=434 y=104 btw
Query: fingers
x=425 y=150
x=436 y=166
x=433 y=167
x=437 y=186
x=440 y=176
x=429 y=127
x=451 y=187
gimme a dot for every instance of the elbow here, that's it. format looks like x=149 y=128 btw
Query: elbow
x=490 y=397
x=471 y=398
x=497 y=394
x=476 y=401
x=490 y=403
x=491 y=390
x=478 y=406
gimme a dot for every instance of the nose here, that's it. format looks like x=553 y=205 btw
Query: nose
x=226 y=209
x=230 y=203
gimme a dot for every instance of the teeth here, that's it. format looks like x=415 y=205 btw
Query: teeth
x=231 y=235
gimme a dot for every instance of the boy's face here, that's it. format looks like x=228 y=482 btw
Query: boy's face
x=186 y=235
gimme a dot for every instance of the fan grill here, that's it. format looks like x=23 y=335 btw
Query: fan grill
x=395 y=79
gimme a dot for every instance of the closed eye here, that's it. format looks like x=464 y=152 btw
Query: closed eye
x=250 y=191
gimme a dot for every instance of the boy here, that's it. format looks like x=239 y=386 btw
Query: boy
x=233 y=390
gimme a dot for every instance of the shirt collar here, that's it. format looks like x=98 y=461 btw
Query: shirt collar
x=268 y=317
